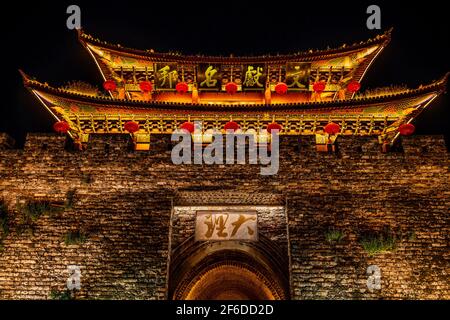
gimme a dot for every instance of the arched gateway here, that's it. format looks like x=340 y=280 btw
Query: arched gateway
x=228 y=270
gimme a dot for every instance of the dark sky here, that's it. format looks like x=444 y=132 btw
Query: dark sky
x=38 y=42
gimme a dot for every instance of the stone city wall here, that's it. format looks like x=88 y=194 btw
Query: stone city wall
x=108 y=210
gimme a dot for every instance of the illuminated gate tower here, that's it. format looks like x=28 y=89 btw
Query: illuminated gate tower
x=307 y=93
x=244 y=230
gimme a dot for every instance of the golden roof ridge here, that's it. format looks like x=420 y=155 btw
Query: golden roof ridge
x=317 y=54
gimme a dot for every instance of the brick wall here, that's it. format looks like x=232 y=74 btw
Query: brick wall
x=122 y=202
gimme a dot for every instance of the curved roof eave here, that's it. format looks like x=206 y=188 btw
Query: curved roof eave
x=306 y=56
x=438 y=86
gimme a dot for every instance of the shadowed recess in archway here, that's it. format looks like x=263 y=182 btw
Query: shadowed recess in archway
x=230 y=280
x=229 y=270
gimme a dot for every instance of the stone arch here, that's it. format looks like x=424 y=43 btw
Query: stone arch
x=228 y=270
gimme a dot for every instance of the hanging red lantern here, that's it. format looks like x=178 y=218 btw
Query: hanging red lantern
x=131 y=126
x=231 y=87
x=182 y=87
x=188 y=127
x=332 y=128
x=61 y=127
x=353 y=86
x=145 y=86
x=281 y=88
x=319 y=87
x=231 y=125
x=406 y=129
x=274 y=126
x=110 y=85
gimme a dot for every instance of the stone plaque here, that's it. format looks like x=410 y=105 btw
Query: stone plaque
x=222 y=225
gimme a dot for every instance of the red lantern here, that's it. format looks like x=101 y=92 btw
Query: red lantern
x=231 y=87
x=145 y=86
x=406 y=129
x=110 y=85
x=61 y=127
x=319 y=86
x=182 y=87
x=231 y=125
x=131 y=126
x=353 y=86
x=274 y=126
x=281 y=88
x=188 y=127
x=332 y=128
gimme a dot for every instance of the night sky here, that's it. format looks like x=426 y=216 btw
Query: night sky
x=38 y=42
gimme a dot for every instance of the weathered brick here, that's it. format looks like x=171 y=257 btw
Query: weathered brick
x=123 y=202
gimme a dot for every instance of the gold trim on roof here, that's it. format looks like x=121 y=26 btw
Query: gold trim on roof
x=310 y=55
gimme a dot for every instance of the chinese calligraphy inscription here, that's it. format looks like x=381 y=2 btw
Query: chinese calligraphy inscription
x=220 y=225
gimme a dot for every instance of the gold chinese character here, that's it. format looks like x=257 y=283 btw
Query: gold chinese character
x=296 y=76
x=239 y=222
x=218 y=222
x=209 y=74
x=164 y=75
x=252 y=76
x=222 y=226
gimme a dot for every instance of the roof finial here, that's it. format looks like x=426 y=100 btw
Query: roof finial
x=25 y=77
